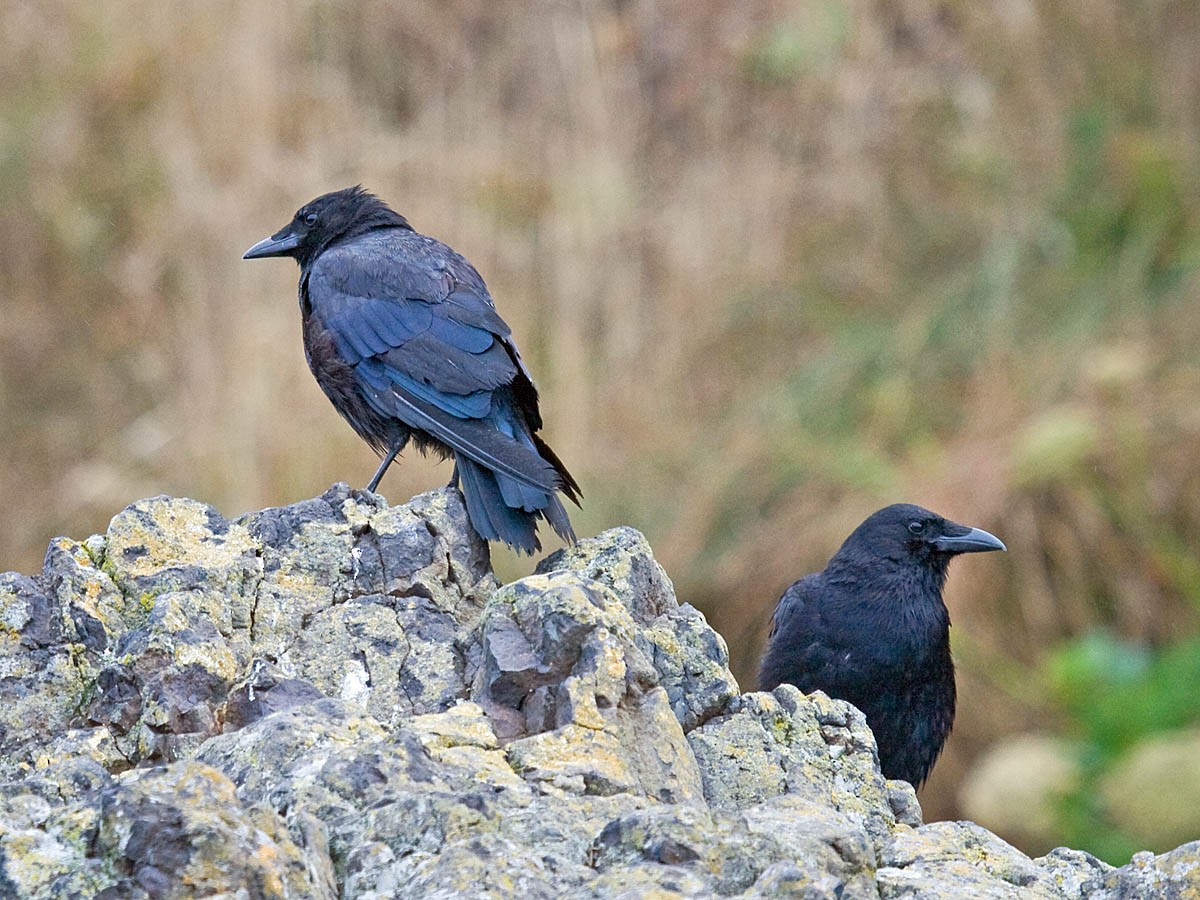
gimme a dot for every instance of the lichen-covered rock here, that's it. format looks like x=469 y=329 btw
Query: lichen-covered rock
x=557 y=650
x=367 y=602
x=810 y=747
x=958 y=859
x=819 y=850
x=622 y=561
x=336 y=699
x=1074 y=873
x=46 y=675
x=690 y=659
x=180 y=832
x=1175 y=874
x=571 y=688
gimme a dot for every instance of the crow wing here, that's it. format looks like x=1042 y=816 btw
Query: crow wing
x=415 y=322
x=800 y=651
x=820 y=639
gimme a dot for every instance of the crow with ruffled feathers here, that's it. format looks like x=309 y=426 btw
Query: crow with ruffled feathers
x=403 y=337
x=872 y=629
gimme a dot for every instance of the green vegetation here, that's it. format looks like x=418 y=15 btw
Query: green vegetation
x=1116 y=694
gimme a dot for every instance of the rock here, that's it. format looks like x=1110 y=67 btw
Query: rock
x=804 y=844
x=786 y=743
x=264 y=690
x=567 y=681
x=180 y=832
x=46 y=674
x=152 y=833
x=691 y=659
x=1173 y=874
x=621 y=560
x=1074 y=873
x=557 y=650
x=958 y=859
x=336 y=699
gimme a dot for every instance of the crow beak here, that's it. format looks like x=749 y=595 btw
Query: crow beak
x=276 y=245
x=972 y=540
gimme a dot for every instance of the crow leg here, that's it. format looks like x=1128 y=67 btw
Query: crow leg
x=383 y=467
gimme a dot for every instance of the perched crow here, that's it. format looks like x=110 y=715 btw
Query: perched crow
x=404 y=339
x=872 y=629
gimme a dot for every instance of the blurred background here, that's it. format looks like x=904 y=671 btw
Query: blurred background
x=773 y=264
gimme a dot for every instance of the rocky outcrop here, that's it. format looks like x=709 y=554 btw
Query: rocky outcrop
x=337 y=699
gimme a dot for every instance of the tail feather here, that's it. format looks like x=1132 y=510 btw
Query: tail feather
x=520 y=496
x=556 y=515
x=567 y=484
x=539 y=503
x=507 y=508
x=490 y=515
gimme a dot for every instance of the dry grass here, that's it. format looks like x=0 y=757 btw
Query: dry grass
x=774 y=265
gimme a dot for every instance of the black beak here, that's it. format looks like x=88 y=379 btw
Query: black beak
x=276 y=245
x=972 y=540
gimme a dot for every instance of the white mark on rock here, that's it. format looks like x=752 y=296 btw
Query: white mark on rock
x=356 y=682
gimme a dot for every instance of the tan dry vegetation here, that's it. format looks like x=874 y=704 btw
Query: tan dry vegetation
x=773 y=264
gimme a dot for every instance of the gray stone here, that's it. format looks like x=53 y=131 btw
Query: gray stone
x=692 y=662
x=620 y=559
x=264 y=690
x=336 y=699
x=1074 y=873
x=1175 y=874
x=690 y=658
x=786 y=743
x=180 y=832
x=958 y=859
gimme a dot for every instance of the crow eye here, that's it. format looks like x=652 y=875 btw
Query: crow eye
x=916 y=527
x=310 y=219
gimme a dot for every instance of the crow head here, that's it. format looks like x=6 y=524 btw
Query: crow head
x=331 y=217
x=911 y=535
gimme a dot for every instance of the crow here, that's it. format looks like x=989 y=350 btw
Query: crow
x=404 y=339
x=873 y=629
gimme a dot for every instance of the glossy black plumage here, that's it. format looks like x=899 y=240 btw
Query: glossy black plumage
x=403 y=337
x=872 y=629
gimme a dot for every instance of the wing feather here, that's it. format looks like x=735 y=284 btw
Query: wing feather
x=427 y=346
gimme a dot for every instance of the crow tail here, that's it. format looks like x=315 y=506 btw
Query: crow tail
x=503 y=509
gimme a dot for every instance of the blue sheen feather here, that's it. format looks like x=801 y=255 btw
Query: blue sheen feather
x=465 y=337
x=354 y=335
x=396 y=323
x=382 y=377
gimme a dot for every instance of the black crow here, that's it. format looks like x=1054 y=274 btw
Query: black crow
x=404 y=339
x=873 y=629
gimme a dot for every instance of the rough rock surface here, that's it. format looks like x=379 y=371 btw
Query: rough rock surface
x=337 y=699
